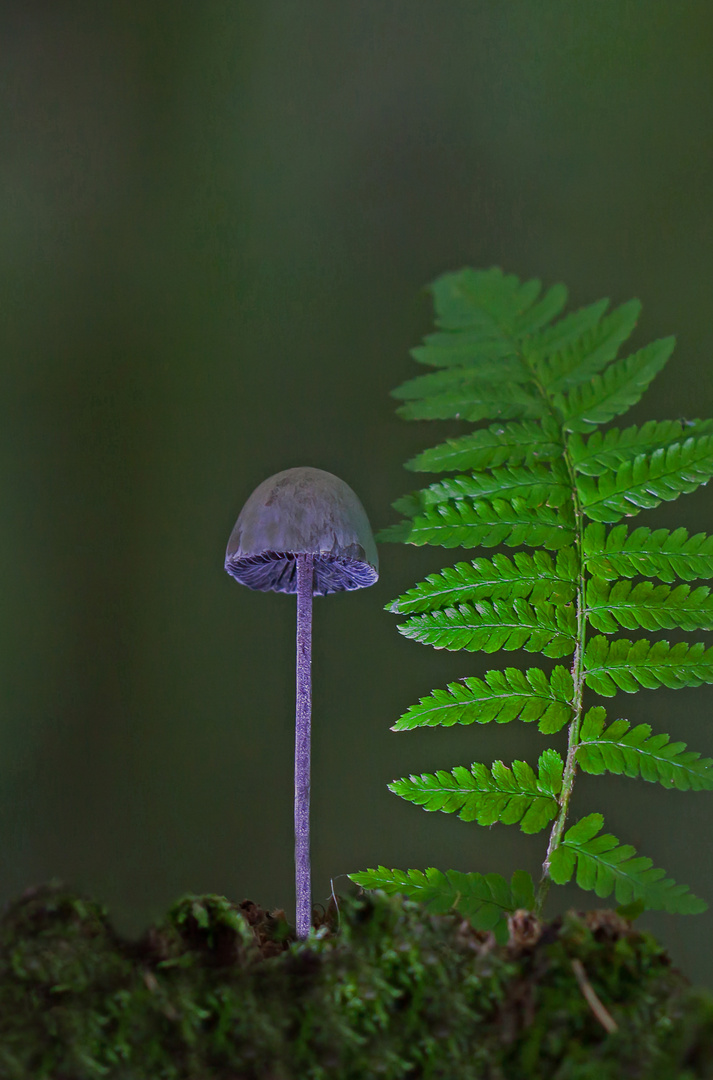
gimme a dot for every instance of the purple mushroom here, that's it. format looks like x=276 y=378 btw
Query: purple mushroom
x=303 y=530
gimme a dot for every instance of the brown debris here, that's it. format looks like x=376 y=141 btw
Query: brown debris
x=265 y=926
x=606 y=924
x=525 y=930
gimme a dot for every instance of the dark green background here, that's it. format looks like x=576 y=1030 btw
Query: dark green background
x=217 y=220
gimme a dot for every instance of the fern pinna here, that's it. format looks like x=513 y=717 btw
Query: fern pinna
x=545 y=476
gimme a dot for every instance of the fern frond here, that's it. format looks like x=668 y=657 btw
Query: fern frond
x=486 y=626
x=630 y=665
x=577 y=361
x=511 y=796
x=500 y=696
x=605 y=451
x=613 y=392
x=509 y=522
x=499 y=444
x=536 y=577
x=535 y=477
x=539 y=485
x=485 y=899
x=646 y=605
x=661 y=553
x=648 y=480
x=605 y=866
x=634 y=751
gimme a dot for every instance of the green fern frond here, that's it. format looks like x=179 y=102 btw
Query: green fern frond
x=486 y=524
x=542 y=476
x=499 y=444
x=634 y=751
x=511 y=796
x=536 y=577
x=648 y=606
x=485 y=899
x=605 y=866
x=648 y=480
x=605 y=451
x=576 y=362
x=538 y=485
x=500 y=696
x=630 y=665
x=485 y=626
x=613 y=392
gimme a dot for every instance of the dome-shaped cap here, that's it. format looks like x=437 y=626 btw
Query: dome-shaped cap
x=303 y=511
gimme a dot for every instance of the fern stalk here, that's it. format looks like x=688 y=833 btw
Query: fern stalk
x=570 y=767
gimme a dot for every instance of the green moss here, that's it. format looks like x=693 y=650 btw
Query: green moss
x=219 y=991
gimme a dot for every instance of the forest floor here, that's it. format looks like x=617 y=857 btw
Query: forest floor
x=381 y=988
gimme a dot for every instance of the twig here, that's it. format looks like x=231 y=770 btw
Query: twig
x=603 y=1016
x=336 y=903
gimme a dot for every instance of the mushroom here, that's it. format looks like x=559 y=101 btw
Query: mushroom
x=303 y=530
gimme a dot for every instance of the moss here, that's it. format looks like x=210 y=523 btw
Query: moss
x=220 y=991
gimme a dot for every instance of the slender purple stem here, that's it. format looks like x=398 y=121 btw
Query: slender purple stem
x=303 y=723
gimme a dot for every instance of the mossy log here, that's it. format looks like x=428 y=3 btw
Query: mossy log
x=381 y=988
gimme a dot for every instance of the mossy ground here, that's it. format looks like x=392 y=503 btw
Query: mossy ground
x=219 y=991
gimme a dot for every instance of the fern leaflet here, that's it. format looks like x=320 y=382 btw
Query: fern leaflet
x=500 y=444
x=619 y=748
x=486 y=626
x=486 y=795
x=556 y=338
x=631 y=665
x=462 y=524
x=661 y=553
x=474 y=400
x=539 y=485
x=485 y=899
x=653 y=607
x=605 y=451
x=501 y=696
x=586 y=354
x=610 y=394
x=605 y=866
x=648 y=480
x=494 y=305
x=535 y=577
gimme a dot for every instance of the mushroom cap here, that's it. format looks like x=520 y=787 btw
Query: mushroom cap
x=302 y=511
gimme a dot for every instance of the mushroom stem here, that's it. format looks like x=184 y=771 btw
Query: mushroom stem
x=303 y=721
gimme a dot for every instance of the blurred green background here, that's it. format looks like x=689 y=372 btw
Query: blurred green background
x=217 y=221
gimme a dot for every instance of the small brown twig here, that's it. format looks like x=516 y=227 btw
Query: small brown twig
x=603 y=1016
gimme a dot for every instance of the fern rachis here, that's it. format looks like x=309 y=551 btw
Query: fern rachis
x=542 y=474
